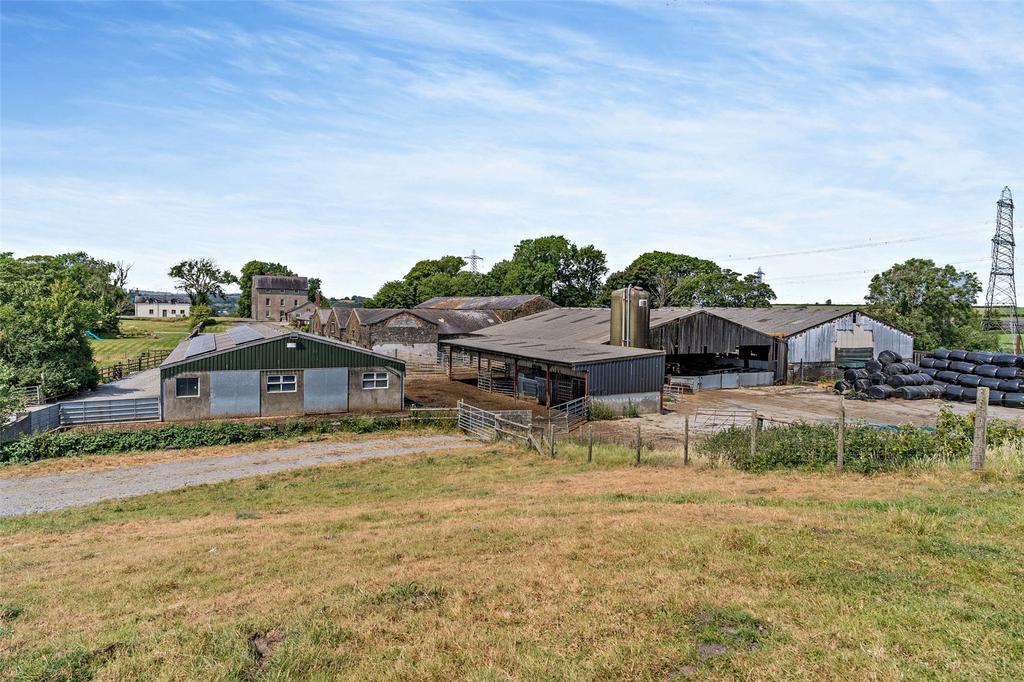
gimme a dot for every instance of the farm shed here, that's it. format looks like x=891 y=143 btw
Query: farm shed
x=555 y=372
x=411 y=334
x=262 y=370
x=820 y=339
x=505 y=308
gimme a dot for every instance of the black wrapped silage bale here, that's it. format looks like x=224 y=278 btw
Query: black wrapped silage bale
x=912 y=368
x=940 y=364
x=962 y=367
x=1013 y=399
x=1010 y=385
x=878 y=378
x=996 y=397
x=935 y=390
x=1009 y=373
x=927 y=363
x=1004 y=359
x=969 y=395
x=991 y=383
x=1020 y=361
x=842 y=387
x=896 y=380
x=873 y=366
x=862 y=385
x=929 y=371
x=904 y=393
x=979 y=358
x=970 y=380
x=917 y=379
x=941 y=353
x=852 y=375
x=956 y=355
x=896 y=368
x=887 y=357
x=953 y=392
x=988 y=371
x=949 y=376
x=882 y=392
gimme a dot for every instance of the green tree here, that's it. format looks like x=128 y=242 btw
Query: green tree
x=200 y=314
x=201 y=279
x=554 y=267
x=935 y=304
x=12 y=399
x=314 y=288
x=394 y=294
x=250 y=270
x=722 y=288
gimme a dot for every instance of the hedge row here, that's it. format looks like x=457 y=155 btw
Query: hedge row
x=106 y=441
x=868 y=448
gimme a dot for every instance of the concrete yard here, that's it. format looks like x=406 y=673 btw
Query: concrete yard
x=26 y=494
x=784 y=403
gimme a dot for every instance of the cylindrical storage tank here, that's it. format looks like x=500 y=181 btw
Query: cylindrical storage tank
x=988 y=371
x=953 y=392
x=958 y=355
x=979 y=358
x=970 y=380
x=631 y=318
x=962 y=367
x=1013 y=400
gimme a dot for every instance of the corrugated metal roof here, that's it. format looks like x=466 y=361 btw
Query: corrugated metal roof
x=481 y=302
x=280 y=282
x=780 y=320
x=577 y=325
x=557 y=352
x=260 y=334
x=447 y=321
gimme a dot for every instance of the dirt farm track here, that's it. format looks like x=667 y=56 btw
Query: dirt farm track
x=784 y=403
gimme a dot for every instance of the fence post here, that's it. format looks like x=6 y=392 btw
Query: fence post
x=590 y=445
x=638 y=441
x=753 y=433
x=686 y=440
x=841 y=435
x=980 y=430
x=551 y=437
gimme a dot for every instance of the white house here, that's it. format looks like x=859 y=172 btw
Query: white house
x=168 y=305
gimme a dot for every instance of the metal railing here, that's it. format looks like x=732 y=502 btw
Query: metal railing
x=515 y=425
x=33 y=395
x=570 y=414
x=104 y=411
x=144 y=361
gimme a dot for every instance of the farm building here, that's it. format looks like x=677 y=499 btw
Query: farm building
x=262 y=370
x=505 y=308
x=410 y=334
x=274 y=295
x=302 y=315
x=330 y=322
x=554 y=372
x=167 y=305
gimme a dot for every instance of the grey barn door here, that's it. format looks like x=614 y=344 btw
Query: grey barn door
x=235 y=394
x=326 y=390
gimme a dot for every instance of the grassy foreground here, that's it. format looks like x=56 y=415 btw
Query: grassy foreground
x=497 y=564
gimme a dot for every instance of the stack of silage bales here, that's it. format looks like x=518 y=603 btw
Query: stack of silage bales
x=889 y=377
x=962 y=372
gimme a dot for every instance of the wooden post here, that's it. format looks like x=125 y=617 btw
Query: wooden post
x=638 y=442
x=551 y=438
x=686 y=440
x=590 y=445
x=753 y=433
x=841 y=435
x=980 y=430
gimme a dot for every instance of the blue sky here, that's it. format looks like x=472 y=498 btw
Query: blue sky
x=349 y=140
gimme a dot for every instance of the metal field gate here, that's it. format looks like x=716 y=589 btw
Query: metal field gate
x=102 y=411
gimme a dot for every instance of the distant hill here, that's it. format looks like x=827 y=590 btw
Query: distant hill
x=348 y=301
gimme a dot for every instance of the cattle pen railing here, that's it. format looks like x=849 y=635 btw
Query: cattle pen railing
x=514 y=425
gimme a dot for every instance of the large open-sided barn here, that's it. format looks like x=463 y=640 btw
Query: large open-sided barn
x=262 y=370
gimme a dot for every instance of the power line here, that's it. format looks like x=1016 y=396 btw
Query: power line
x=859 y=245
x=852 y=273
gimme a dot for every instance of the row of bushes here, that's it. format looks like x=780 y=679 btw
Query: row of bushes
x=868 y=448
x=107 y=441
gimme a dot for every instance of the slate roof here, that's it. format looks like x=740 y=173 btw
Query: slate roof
x=448 y=322
x=280 y=282
x=166 y=298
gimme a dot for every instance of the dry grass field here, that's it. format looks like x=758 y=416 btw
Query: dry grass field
x=496 y=564
x=146 y=335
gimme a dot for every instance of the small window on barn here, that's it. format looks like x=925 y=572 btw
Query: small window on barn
x=281 y=383
x=373 y=380
x=186 y=387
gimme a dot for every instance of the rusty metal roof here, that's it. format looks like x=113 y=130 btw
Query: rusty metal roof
x=448 y=322
x=481 y=302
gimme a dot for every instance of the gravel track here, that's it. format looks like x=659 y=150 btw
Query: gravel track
x=30 y=494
